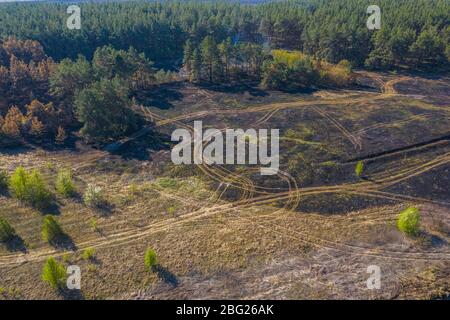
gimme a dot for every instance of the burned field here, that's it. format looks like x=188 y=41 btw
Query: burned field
x=310 y=231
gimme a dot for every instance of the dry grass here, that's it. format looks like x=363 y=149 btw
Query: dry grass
x=213 y=243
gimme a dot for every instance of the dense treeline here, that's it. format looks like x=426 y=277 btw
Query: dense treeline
x=215 y=62
x=54 y=80
x=225 y=62
x=413 y=33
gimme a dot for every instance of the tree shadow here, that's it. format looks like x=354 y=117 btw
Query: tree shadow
x=143 y=147
x=71 y=294
x=95 y=260
x=235 y=87
x=48 y=144
x=64 y=242
x=53 y=209
x=15 y=150
x=30 y=145
x=165 y=275
x=105 y=209
x=160 y=97
x=365 y=178
x=5 y=192
x=16 y=243
x=429 y=240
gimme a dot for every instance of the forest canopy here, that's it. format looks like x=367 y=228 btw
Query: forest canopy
x=54 y=80
x=414 y=33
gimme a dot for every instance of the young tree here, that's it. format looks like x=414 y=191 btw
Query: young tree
x=54 y=273
x=6 y=231
x=37 y=192
x=51 y=230
x=64 y=183
x=3 y=180
x=150 y=259
x=12 y=123
x=37 y=128
x=61 y=135
x=409 y=221
x=359 y=168
x=29 y=187
x=93 y=196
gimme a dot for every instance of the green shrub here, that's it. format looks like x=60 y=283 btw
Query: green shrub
x=39 y=195
x=94 y=224
x=88 y=254
x=93 y=196
x=51 y=229
x=408 y=221
x=54 y=273
x=150 y=259
x=6 y=231
x=359 y=168
x=171 y=210
x=18 y=183
x=166 y=182
x=3 y=180
x=30 y=187
x=64 y=183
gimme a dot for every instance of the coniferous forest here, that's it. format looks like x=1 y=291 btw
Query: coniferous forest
x=48 y=71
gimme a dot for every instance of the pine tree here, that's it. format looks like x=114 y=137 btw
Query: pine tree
x=104 y=110
x=12 y=123
x=37 y=128
x=61 y=136
x=187 y=57
x=150 y=259
x=196 y=74
x=210 y=57
x=428 y=47
x=226 y=52
x=54 y=273
x=51 y=230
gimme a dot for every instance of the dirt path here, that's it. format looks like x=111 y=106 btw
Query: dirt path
x=254 y=195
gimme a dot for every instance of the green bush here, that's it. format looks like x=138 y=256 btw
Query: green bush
x=167 y=182
x=30 y=187
x=359 y=168
x=64 y=183
x=3 y=180
x=408 y=221
x=54 y=273
x=51 y=229
x=150 y=259
x=18 y=183
x=6 y=231
x=39 y=195
x=94 y=224
x=88 y=254
x=93 y=196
